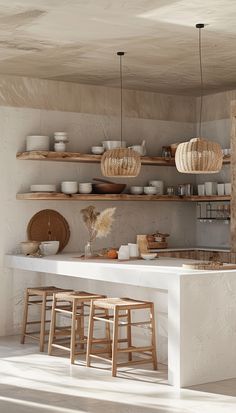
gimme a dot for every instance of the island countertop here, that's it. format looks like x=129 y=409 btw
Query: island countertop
x=201 y=307
x=155 y=273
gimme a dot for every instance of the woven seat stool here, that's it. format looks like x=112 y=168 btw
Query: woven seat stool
x=121 y=308
x=42 y=297
x=74 y=335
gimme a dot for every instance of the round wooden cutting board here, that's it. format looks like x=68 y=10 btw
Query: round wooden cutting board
x=49 y=225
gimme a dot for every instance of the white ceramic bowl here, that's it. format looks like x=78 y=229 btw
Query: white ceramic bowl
x=69 y=187
x=43 y=188
x=136 y=190
x=149 y=255
x=150 y=190
x=97 y=150
x=113 y=144
x=37 y=143
x=85 y=188
x=49 y=247
x=29 y=247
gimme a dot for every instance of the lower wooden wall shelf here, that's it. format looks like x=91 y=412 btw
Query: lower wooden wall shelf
x=45 y=196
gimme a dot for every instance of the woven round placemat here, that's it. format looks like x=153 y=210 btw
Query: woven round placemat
x=49 y=225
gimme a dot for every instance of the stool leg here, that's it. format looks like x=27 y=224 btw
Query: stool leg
x=25 y=317
x=153 y=326
x=73 y=332
x=90 y=334
x=129 y=335
x=52 y=325
x=115 y=342
x=108 y=334
x=42 y=325
x=80 y=322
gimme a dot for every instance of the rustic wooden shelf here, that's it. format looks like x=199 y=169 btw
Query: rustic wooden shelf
x=85 y=158
x=90 y=158
x=45 y=196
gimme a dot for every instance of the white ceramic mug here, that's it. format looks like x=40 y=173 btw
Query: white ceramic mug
x=159 y=185
x=210 y=188
x=227 y=188
x=220 y=189
x=133 y=250
x=85 y=188
x=201 y=189
x=123 y=253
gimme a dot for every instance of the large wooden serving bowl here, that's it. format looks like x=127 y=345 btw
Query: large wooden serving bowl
x=106 y=188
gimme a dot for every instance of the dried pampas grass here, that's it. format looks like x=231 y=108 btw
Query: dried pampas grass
x=98 y=224
x=104 y=222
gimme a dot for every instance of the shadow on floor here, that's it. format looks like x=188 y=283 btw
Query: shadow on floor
x=22 y=400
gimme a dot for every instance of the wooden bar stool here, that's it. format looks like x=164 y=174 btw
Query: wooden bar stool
x=121 y=308
x=38 y=296
x=76 y=301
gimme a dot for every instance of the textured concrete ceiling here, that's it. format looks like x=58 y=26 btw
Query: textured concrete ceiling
x=77 y=40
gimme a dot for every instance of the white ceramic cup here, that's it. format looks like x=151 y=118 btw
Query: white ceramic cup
x=133 y=250
x=159 y=185
x=220 y=189
x=97 y=150
x=210 y=188
x=227 y=188
x=123 y=253
x=201 y=189
x=69 y=187
x=59 y=146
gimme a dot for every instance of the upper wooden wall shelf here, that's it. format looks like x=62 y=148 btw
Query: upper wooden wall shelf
x=90 y=158
x=45 y=196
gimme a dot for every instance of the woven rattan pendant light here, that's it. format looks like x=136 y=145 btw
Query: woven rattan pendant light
x=199 y=155
x=121 y=162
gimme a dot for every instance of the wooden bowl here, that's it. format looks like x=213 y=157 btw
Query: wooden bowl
x=104 y=188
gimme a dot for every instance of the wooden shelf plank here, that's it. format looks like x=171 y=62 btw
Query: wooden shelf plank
x=45 y=196
x=90 y=158
x=85 y=158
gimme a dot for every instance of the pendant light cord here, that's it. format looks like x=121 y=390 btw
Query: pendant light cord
x=200 y=26
x=121 y=54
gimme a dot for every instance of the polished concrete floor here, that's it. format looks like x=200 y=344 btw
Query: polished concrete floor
x=36 y=383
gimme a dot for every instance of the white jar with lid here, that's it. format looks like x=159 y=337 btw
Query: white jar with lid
x=59 y=146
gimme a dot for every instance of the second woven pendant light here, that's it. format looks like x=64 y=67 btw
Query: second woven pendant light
x=121 y=162
x=199 y=155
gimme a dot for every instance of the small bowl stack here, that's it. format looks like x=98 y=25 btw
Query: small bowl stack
x=60 y=140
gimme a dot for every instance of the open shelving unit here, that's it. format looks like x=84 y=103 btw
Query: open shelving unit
x=90 y=158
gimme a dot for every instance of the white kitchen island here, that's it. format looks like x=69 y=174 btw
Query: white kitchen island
x=201 y=308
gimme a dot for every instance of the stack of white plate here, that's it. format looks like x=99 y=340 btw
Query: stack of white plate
x=43 y=188
x=37 y=143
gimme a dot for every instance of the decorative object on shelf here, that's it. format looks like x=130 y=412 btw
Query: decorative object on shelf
x=199 y=155
x=49 y=247
x=136 y=190
x=121 y=162
x=98 y=225
x=49 y=225
x=85 y=188
x=159 y=186
x=150 y=190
